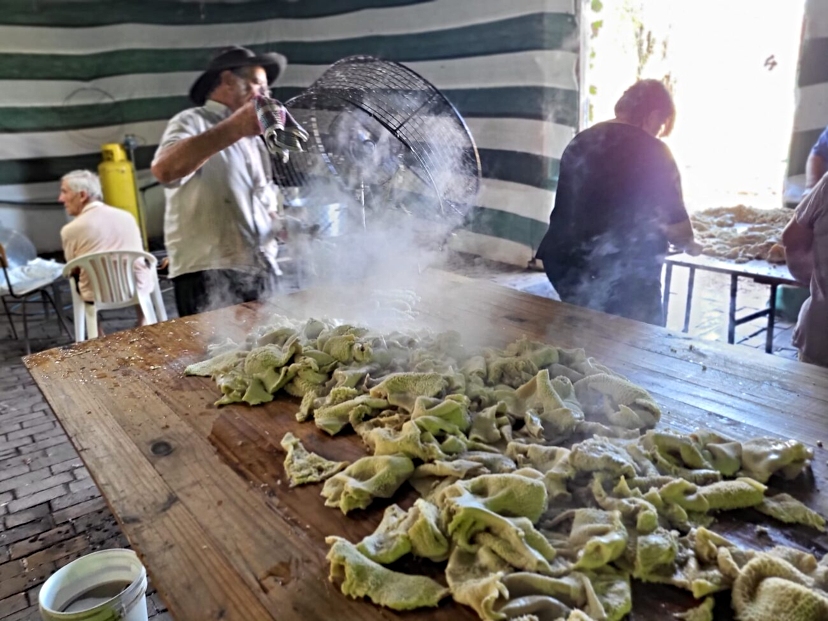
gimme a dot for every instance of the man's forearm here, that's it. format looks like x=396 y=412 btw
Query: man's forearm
x=188 y=155
x=814 y=169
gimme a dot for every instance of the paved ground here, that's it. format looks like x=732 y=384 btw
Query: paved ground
x=51 y=512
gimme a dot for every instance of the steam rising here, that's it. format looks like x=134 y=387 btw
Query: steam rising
x=365 y=224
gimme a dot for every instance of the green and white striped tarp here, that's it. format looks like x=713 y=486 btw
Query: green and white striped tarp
x=80 y=73
x=811 y=115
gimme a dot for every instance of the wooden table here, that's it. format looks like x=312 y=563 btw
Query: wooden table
x=220 y=547
x=761 y=272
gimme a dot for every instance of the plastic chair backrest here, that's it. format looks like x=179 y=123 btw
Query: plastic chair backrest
x=111 y=275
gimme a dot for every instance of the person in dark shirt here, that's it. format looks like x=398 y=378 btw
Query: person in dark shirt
x=618 y=206
x=817 y=162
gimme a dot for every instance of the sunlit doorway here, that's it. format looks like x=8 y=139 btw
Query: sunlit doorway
x=732 y=66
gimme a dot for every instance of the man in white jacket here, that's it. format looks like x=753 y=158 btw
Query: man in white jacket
x=222 y=204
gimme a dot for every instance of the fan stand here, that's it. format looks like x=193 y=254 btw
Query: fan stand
x=361 y=199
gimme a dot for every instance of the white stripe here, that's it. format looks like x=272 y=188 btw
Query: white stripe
x=47 y=191
x=549 y=68
x=492 y=248
x=41 y=226
x=535 y=137
x=527 y=136
x=811 y=107
x=516 y=198
x=75 y=142
x=439 y=15
x=521 y=200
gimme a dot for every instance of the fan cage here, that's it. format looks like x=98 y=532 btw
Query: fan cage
x=438 y=146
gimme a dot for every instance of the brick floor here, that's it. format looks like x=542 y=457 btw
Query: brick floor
x=50 y=511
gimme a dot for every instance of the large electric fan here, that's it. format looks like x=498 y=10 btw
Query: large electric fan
x=384 y=143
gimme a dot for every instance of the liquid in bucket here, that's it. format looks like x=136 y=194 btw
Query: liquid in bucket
x=109 y=585
x=96 y=596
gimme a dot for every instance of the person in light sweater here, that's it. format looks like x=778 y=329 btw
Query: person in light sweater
x=97 y=227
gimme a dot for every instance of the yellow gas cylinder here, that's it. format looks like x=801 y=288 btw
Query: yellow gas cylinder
x=118 y=183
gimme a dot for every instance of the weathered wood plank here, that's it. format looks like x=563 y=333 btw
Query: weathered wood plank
x=218 y=547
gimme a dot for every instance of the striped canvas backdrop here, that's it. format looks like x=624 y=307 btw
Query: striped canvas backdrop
x=811 y=115
x=76 y=74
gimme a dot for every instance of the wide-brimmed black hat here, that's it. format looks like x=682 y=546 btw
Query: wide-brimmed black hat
x=233 y=58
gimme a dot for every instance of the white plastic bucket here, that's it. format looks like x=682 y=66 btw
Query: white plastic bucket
x=70 y=593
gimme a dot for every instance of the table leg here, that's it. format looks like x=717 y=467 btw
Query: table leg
x=691 y=278
x=771 y=320
x=665 y=295
x=731 y=315
x=57 y=297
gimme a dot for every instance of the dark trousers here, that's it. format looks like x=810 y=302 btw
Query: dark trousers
x=634 y=298
x=198 y=292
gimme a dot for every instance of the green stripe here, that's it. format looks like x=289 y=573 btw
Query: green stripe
x=524 y=168
x=544 y=31
x=505 y=225
x=812 y=66
x=801 y=144
x=63 y=13
x=538 y=103
x=37 y=170
x=526 y=102
x=66 y=118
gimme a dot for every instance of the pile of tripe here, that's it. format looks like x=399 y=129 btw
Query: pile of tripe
x=741 y=233
x=544 y=485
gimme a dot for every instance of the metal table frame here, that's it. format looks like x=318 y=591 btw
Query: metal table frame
x=760 y=272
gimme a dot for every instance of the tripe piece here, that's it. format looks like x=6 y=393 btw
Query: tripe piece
x=517 y=494
x=217 y=365
x=540 y=606
x=771 y=589
x=332 y=418
x=449 y=416
x=608 y=593
x=554 y=403
x=738 y=494
x=764 y=457
x=402 y=389
x=596 y=537
x=426 y=532
x=367 y=478
x=475 y=580
x=303 y=466
x=362 y=577
x=601 y=455
x=788 y=509
x=389 y=541
x=603 y=394
x=702 y=612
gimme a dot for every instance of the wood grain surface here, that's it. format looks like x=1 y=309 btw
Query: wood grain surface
x=201 y=492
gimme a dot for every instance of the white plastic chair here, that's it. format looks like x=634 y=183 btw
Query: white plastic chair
x=112 y=277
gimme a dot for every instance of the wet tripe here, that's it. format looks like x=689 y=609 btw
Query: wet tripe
x=545 y=485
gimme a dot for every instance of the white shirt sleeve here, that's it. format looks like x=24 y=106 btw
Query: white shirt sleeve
x=182 y=125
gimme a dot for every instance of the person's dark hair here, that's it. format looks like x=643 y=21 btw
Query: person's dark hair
x=643 y=98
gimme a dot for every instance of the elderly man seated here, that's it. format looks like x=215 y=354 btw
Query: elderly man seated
x=97 y=227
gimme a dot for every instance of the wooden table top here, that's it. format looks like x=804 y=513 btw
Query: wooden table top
x=760 y=271
x=219 y=547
